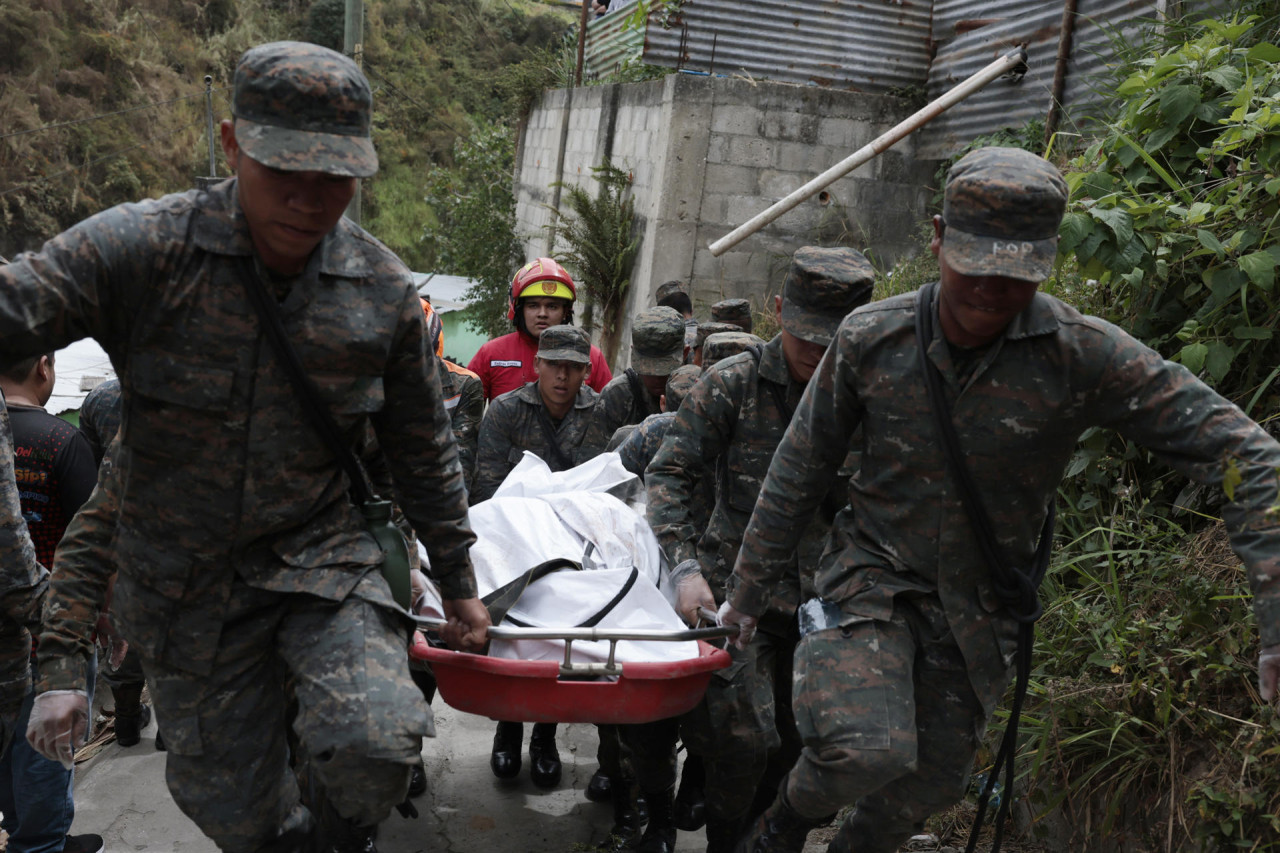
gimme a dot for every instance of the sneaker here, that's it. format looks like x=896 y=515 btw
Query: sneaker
x=83 y=844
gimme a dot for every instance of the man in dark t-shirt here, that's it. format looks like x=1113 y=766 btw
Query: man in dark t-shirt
x=55 y=472
x=53 y=462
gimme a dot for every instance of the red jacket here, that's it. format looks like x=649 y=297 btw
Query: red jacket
x=506 y=363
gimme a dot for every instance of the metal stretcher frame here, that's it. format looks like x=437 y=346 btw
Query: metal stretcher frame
x=547 y=691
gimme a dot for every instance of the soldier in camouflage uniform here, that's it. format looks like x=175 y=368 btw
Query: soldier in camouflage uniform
x=722 y=345
x=653 y=429
x=548 y=417
x=706 y=330
x=893 y=697
x=727 y=429
x=735 y=311
x=657 y=348
x=23 y=583
x=228 y=583
x=673 y=294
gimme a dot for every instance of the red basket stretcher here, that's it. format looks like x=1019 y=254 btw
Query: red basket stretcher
x=547 y=691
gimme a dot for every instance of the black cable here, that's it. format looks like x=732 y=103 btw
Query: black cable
x=73 y=122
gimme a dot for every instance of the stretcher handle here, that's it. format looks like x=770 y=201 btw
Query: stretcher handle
x=709 y=616
x=509 y=632
x=609 y=667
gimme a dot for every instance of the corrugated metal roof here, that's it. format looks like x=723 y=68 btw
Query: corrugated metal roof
x=447 y=292
x=869 y=46
x=610 y=43
x=971 y=33
x=77 y=370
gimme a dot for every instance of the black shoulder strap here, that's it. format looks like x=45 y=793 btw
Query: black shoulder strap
x=638 y=392
x=779 y=392
x=1016 y=588
x=308 y=394
x=553 y=444
x=505 y=597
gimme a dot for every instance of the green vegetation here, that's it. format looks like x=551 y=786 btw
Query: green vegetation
x=601 y=247
x=450 y=81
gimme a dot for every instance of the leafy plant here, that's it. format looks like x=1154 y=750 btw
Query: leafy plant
x=474 y=229
x=1174 y=208
x=599 y=246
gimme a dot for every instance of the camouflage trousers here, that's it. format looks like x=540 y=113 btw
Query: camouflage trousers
x=359 y=718
x=744 y=728
x=890 y=722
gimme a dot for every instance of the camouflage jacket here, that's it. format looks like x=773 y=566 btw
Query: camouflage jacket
x=214 y=447
x=1053 y=374
x=726 y=430
x=618 y=406
x=100 y=417
x=464 y=398
x=23 y=583
x=512 y=425
x=639 y=447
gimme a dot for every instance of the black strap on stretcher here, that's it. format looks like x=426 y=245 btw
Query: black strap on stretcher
x=501 y=600
x=1016 y=589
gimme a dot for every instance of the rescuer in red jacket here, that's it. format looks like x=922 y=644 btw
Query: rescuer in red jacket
x=542 y=295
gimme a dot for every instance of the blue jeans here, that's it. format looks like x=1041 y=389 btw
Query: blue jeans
x=35 y=793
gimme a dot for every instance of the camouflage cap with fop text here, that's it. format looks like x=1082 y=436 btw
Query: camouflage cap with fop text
x=735 y=311
x=564 y=343
x=823 y=285
x=301 y=107
x=681 y=380
x=1002 y=208
x=721 y=345
x=657 y=341
x=705 y=330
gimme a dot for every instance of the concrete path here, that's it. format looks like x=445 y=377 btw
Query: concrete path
x=120 y=794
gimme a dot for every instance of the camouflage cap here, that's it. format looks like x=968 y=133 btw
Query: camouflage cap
x=657 y=341
x=681 y=380
x=304 y=108
x=667 y=288
x=705 y=330
x=735 y=311
x=721 y=345
x=564 y=343
x=823 y=285
x=1002 y=208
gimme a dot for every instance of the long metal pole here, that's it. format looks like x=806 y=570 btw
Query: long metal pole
x=880 y=144
x=582 y=42
x=208 y=109
x=353 y=46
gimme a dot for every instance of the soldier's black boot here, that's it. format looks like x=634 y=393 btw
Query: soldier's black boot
x=508 y=741
x=660 y=834
x=625 y=832
x=131 y=715
x=544 y=758
x=691 y=800
x=600 y=788
x=779 y=830
x=345 y=836
x=723 y=833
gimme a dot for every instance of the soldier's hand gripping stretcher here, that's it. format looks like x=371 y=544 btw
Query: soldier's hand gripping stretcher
x=696 y=604
x=467 y=622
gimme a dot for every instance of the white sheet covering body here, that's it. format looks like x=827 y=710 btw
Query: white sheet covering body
x=538 y=515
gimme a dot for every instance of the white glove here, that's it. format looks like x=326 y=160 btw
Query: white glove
x=59 y=721
x=730 y=615
x=692 y=591
x=1268 y=672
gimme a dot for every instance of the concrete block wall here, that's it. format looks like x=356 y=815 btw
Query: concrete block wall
x=708 y=153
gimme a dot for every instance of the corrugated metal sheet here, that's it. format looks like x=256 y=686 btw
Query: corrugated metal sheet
x=871 y=46
x=610 y=43
x=970 y=33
